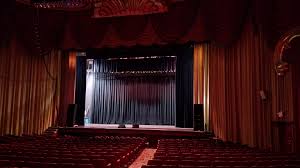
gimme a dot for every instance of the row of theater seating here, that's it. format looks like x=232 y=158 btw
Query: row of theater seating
x=199 y=153
x=115 y=151
x=80 y=152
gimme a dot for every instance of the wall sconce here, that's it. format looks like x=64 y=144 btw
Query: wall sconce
x=281 y=68
x=280 y=115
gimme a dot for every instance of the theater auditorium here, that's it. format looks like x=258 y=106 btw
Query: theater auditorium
x=149 y=83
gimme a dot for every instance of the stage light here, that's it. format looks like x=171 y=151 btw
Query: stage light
x=90 y=65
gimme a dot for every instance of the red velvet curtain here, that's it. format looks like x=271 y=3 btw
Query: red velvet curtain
x=236 y=76
x=68 y=75
x=191 y=20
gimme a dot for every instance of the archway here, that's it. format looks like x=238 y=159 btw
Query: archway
x=286 y=92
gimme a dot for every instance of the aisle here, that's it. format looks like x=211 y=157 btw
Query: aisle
x=146 y=155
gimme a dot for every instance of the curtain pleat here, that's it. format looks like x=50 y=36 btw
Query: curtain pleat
x=29 y=94
x=201 y=79
x=198 y=73
x=236 y=75
x=131 y=99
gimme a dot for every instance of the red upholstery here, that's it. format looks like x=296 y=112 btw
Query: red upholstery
x=199 y=153
x=64 y=152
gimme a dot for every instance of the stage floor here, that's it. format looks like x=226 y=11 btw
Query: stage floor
x=156 y=131
x=141 y=127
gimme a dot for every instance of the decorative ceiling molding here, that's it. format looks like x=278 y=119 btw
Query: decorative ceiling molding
x=27 y=2
x=115 y=8
x=105 y=8
x=66 y=5
x=71 y=6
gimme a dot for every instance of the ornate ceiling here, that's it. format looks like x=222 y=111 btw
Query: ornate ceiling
x=106 y=8
x=111 y=8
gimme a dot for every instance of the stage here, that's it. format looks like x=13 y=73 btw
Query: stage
x=150 y=131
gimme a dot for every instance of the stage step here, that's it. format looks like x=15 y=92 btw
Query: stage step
x=51 y=131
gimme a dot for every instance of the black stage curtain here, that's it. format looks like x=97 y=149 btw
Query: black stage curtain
x=183 y=83
x=118 y=94
x=184 y=87
x=80 y=89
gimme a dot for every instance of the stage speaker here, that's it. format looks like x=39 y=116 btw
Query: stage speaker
x=71 y=113
x=122 y=126
x=135 y=125
x=198 y=117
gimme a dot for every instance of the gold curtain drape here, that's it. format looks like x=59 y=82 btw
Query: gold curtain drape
x=30 y=89
x=236 y=76
x=198 y=73
x=201 y=79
